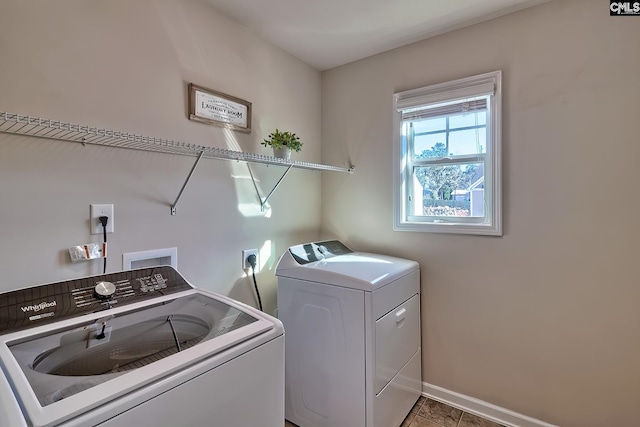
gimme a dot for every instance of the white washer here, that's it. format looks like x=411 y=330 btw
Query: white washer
x=353 y=336
x=140 y=347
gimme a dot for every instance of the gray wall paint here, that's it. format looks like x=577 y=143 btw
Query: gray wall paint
x=126 y=65
x=543 y=320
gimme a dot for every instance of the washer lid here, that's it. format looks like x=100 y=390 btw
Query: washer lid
x=63 y=370
x=337 y=265
x=10 y=414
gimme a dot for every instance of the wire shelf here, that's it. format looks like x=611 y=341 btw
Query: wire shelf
x=17 y=124
x=52 y=129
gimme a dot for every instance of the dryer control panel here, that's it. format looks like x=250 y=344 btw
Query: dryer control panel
x=311 y=252
x=38 y=305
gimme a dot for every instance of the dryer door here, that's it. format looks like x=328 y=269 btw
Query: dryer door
x=397 y=340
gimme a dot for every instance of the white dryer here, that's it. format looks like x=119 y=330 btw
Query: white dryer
x=139 y=347
x=353 y=336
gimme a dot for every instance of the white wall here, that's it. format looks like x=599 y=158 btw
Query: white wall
x=544 y=320
x=125 y=66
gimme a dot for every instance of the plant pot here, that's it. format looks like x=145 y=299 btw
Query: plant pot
x=282 y=153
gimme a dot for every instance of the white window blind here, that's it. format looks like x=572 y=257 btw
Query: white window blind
x=482 y=85
x=431 y=112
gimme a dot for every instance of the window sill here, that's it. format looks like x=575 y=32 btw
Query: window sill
x=450 y=228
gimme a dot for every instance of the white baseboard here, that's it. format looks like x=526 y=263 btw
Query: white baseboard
x=478 y=407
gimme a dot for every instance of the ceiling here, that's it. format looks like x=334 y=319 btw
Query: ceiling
x=329 y=33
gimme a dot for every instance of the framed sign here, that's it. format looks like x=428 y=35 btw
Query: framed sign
x=216 y=108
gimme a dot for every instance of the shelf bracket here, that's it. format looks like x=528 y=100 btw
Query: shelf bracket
x=173 y=207
x=263 y=202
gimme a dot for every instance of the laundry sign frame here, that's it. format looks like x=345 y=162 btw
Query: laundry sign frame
x=219 y=109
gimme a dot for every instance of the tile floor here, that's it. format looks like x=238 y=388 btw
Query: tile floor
x=429 y=413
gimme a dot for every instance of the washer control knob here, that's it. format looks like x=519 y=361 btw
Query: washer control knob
x=104 y=290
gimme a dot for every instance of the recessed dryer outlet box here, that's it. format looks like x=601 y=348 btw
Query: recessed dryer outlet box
x=94 y=222
x=151 y=258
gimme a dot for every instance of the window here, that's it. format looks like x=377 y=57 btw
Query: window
x=447 y=157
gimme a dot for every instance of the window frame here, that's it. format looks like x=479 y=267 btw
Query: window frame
x=487 y=85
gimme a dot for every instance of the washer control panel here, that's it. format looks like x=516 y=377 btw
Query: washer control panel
x=152 y=283
x=104 y=290
x=38 y=305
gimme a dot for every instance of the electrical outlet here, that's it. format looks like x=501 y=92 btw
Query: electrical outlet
x=96 y=212
x=245 y=263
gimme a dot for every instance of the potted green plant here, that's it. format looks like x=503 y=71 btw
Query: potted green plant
x=282 y=143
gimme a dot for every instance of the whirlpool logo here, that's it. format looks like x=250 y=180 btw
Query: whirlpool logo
x=38 y=307
x=621 y=8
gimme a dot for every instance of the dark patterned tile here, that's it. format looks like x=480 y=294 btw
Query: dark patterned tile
x=407 y=421
x=470 y=420
x=419 y=421
x=440 y=413
x=429 y=413
x=418 y=405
